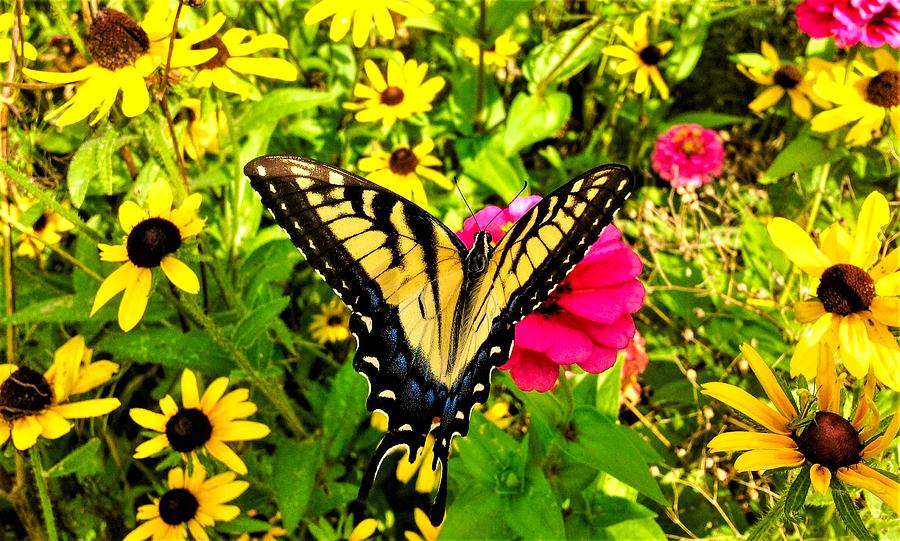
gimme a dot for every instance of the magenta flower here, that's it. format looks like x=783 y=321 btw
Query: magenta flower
x=586 y=321
x=870 y=22
x=688 y=155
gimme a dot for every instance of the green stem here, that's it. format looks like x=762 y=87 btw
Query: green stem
x=274 y=393
x=820 y=174
x=61 y=14
x=162 y=149
x=43 y=494
x=25 y=184
x=569 y=393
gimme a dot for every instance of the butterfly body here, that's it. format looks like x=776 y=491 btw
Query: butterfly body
x=431 y=317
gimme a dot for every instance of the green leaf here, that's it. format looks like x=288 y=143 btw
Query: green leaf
x=344 y=410
x=92 y=162
x=565 y=54
x=296 y=465
x=473 y=515
x=848 y=512
x=501 y=14
x=258 y=320
x=66 y=308
x=800 y=156
x=534 y=118
x=751 y=60
x=534 y=513
x=243 y=525
x=763 y=529
x=83 y=461
x=604 y=445
x=170 y=348
x=279 y=103
x=796 y=494
x=495 y=171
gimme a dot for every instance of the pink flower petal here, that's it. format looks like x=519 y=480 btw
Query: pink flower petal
x=615 y=267
x=561 y=344
x=531 y=371
x=601 y=359
x=616 y=335
x=604 y=305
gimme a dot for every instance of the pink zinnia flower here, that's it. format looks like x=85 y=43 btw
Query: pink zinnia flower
x=586 y=321
x=870 y=22
x=688 y=155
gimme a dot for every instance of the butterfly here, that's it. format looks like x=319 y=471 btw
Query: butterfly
x=432 y=319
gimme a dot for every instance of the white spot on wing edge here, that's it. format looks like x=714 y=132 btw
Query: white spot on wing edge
x=477 y=388
x=335 y=178
x=261 y=171
x=373 y=361
x=367 y=321
x=495 y=350
x=387 y=393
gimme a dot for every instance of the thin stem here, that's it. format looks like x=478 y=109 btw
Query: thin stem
x=479 y=86
x=566 y=387
x=164 y=87
x=61 y=14
x=43 y=494
x=25 y=184
x=274 y=393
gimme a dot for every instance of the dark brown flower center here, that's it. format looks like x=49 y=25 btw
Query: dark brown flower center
x=845 y=289
x=883 y=90
x=403 y=161
x=116 y=40
x=178 y=506
x=188 y=429
x=40 y=223
x=830 y=440
x=151 y=240
x=650 y=55
x=335 y=321
x=392 y=95
x=25 y=392
x=222 y=54
x=787 y=77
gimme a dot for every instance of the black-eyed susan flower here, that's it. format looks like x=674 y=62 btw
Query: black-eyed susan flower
x=191 y=504
x=403 y=94
x=34 y=404
x=205 y=422
x=24 y=49
x=360 y=14
x=231 y=57
x=832 y=445
x=857 y=296
x=502 y=54
x=332 y=324
x=640 y=56
x=151 y=237
x=426 y=532
x=403 y=169
x=200 y=128
x=46 y=230
x=781 y=79
x=125 y=53
x=865 y=98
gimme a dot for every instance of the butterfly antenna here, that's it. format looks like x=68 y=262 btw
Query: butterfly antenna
x=456 y=183
x=522 y=189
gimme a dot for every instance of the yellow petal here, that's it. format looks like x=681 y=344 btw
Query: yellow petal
x=273 y=68
x=820 y=478
x=180 y=274
x=880 y=444
x=767 y=98
x=226 y=455
x=151 y=447
x=791 y=239
x=25 y=432
x=134 y=301
x=114 y=253
x=804 y=360
x=886 y=310
x=886 y=489
x=747 y=404
x=828 y=395
x=241 y=431
x=808 y=311
x=190 y=395
x=888 y=285
x=148 y=419
x=135 y=97
x=888 y=264
x=130 y=214
x=768 y=459
x=769 y=384
x=213 y=393
x=363 y=530
x=873 y=216
x=53 y=424
x=118 y=280
x=854 y=345
x=835 y=243
x=87 y=408
x=159 y=199
x=746 y=441
x=93 y=375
